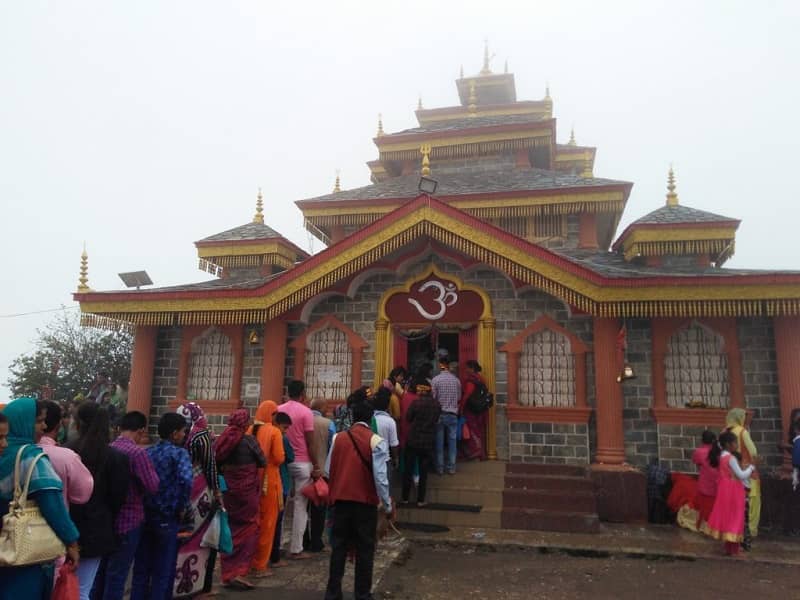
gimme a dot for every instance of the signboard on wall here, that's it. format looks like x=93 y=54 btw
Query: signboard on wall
x=252 y=390
x=329 y=374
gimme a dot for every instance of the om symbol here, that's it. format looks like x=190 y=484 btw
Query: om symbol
x=447 y=296
x=187 y=576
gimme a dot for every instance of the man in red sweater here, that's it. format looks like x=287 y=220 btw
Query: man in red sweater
x=356 y=469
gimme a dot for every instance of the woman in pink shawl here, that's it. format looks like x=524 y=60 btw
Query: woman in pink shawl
x=195 y=568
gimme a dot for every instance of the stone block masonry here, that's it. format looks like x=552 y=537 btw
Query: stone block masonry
x=165 y=375
x=641 y=437
x=676 y=444
x=549 y=443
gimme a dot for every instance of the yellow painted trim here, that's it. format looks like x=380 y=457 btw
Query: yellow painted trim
x=496 y=112
x=243 y=250
x=680 y=234
x=466 y=139
x=723 y=300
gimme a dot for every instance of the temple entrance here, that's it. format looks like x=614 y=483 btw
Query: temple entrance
x=430 y=348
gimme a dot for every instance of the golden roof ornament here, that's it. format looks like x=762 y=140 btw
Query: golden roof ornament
x=473 y=99
x=461 y=72
x=83 y=279
x=505 y=67
x=337 y=187
x=672 y=197
x=419 y=103
x=380 y=125
x=572 y=141
x=587 y=165
x=259 y=216
x=425 y=150
x=486 y=70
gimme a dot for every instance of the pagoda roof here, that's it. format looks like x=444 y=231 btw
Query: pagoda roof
x=463 y=182
x=680 y=214
x=473 y=123
x=248 y=231
x=593 y=282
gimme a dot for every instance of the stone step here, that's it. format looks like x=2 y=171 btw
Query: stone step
x=486 y=518
x=534 y=481
x=544 y=520
x=488 y=498
x=555 y=500
x=542 y=469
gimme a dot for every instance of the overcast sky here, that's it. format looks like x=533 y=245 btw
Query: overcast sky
x=140 y=127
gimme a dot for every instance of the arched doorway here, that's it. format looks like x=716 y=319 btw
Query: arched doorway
x=433 y=308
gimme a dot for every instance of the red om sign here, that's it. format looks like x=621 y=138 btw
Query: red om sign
x=434 y=299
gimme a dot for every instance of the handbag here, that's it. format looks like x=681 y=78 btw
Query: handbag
x=27 y=538
x=218 y=535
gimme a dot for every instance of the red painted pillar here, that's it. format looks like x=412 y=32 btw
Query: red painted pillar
x=608 y=393
x=274 y=363
x=142 y=364
x=587 y=232
x=787 y=353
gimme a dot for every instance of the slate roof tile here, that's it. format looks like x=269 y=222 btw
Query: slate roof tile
x=249 y=231
x=680 y=214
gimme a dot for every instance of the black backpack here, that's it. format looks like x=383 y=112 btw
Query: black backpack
x=481 y=398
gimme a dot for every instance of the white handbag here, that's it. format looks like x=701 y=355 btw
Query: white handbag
x=26 y=538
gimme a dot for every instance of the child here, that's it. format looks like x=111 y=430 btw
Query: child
x=157 y=555
x=282 y=422
x=728 y=516
x=707 y=479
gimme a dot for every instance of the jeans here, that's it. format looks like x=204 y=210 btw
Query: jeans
x=353 y=523
x=412 y=455
x=301 y=475
x=109 y=584
x=156 y=561
x=87 y=570
x=448 y=422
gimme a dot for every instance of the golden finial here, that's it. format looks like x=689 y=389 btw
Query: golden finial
x=505 y=67
x=259 y=216
x=83 y=279
x=672 y=197
x=473 y=99
x=419 y=103
x=547 y=92
x=337 y=187
x=380 y=125
x=461 y=72
x=425 y=150
x=572 y=137
x=486 y=70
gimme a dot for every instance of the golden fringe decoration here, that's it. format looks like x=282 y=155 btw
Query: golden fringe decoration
x=722 y=248
x=107 y=323
x=467 y=150
x=246 y=261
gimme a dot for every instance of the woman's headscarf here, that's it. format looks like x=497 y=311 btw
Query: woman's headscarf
x=195 y=418
x=735 y=418
x=233 y=434
x=21 y=415
x=262 y=424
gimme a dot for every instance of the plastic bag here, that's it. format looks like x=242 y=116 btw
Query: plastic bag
x=67 y=586
x=316 y=492
x=218 y=535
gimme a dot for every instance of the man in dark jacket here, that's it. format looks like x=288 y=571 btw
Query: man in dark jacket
x=356 y=468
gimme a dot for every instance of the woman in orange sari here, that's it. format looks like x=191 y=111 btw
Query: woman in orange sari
x=271 y=442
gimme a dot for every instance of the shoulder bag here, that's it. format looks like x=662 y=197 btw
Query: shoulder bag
x=27 y=538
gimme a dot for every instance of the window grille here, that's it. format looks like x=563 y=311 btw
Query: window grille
x=328 y=364
x=211 y=367
x=696 y=368
x=547 y=370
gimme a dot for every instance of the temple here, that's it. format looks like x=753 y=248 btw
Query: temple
x=605 y=351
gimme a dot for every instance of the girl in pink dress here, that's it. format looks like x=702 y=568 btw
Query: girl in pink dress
x=726 y=522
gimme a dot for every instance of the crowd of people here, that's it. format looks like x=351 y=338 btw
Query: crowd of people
x=155 y=515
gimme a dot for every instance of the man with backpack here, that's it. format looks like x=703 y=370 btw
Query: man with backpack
x=475 y=402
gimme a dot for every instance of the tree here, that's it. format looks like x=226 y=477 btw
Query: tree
x=67 y=358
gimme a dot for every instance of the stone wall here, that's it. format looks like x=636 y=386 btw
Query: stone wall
x=676 y=444
x=165 y=374
x=760 y=374
x=641 y=437
x=549 y=443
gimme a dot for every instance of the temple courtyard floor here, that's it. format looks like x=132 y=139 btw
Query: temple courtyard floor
x=620 y=563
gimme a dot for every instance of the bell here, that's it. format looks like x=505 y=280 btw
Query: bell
x=253 y=338
x=627 y=373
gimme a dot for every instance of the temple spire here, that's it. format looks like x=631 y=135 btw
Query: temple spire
x=380 y=125
x=461 y=72
x=337 y=187
x=419 y=102
x=672 y=197
x=83 y=278
x=505 y=67
x=425 y=150
x=259 y=216
x=572 y=141
x=486 y=70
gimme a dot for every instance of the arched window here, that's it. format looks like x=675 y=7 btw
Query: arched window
x=328 y=364
x=696 y=368
x=211 y=367
x=546 y=374
x=328 y=358
x=547 y=370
